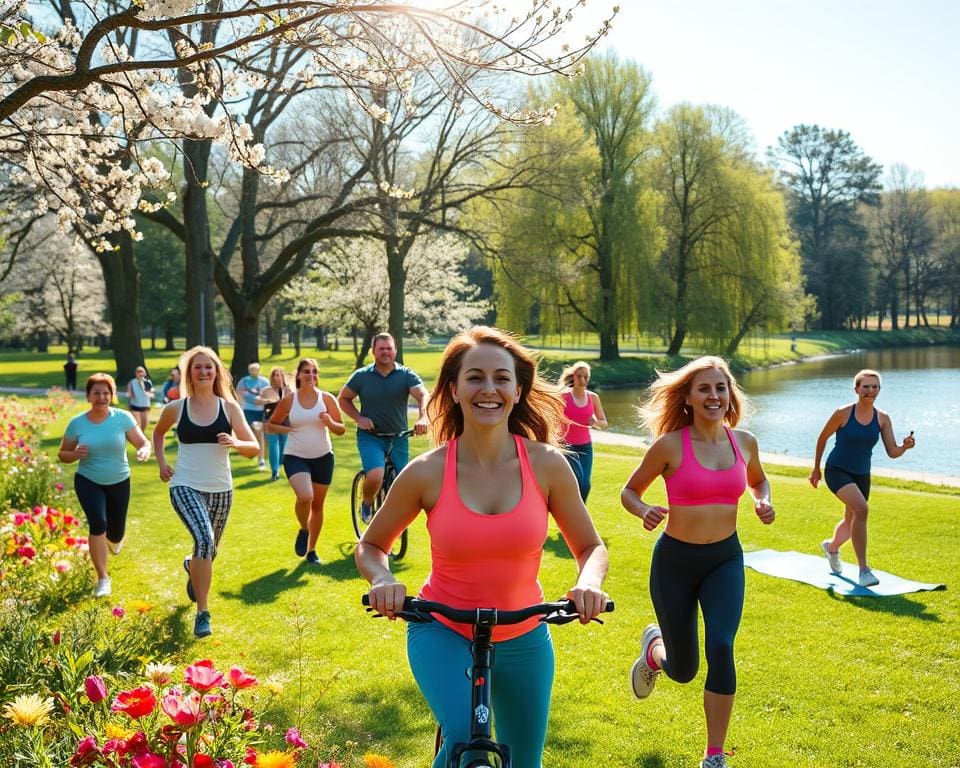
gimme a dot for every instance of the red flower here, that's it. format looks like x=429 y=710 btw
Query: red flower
x=250 y=756
x=119 y=612
x=138 y=744
x=27 y=551
x=56 y=637
x=201 y=760
x=86 y=753
x=96 y=689
x=135 y=703
x=185 y=711
x=202 y=676
x=148 y=760
x=240 y=679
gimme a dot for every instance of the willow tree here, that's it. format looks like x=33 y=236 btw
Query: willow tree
x=577 y=241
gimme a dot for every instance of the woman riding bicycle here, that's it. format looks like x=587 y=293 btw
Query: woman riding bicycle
x=493 y=417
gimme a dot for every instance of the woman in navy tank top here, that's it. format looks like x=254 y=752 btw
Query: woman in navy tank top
x=847 y=473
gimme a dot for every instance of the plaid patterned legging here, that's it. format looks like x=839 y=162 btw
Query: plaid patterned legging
x=205 y=515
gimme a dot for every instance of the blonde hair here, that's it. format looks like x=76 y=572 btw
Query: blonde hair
x=538 y=414
x=865 y=372
x=665 y=408
x=283 y=374
x=566 y=376
x=222 y=381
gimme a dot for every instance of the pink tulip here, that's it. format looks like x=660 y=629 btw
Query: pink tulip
x=95 y=688
x=148 y=760
x=240 y=679
x=185 y=711
x=119 y=612
x=202 y=676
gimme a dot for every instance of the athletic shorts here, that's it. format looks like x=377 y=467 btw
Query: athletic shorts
x=139 y=408
x=836 y=478
x=372 y=450
x=252 y=415
x=320 y=469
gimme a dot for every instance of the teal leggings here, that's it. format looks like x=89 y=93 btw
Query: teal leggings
x=522 y=681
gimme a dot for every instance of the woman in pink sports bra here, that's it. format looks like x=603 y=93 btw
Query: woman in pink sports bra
x=487 y=490
x=583 y=412
x=706 y=465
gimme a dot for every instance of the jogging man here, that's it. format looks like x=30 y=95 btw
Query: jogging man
x=248 y=388
x=384 y=389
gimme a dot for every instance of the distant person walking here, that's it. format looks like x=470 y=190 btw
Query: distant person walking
x=583 y=411
x=98 y=440
x=139 y=396
x=706 y=465
x=271 y=397
x=312 y=415
x=857 y=427
x=249 y=389
x=171 y=387
x=70 y=372
x=209 y=422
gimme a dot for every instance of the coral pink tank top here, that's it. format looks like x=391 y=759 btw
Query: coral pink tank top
x=487 y=561
x=693 y=485
x=579 y=414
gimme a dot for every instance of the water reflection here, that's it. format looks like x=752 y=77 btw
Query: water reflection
x=921 y=391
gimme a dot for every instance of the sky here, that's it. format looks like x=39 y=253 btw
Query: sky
x=887 y=71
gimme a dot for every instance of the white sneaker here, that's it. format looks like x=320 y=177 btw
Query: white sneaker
x=836 y=567
x=642 y=676
x=103 y=588
x=261 y=464
x=115 y=547
x=867 y=579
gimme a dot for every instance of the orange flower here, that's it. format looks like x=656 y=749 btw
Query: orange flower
x=370 y=760
x=276 y=759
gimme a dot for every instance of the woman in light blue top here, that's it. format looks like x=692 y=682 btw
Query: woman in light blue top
x=98 y=440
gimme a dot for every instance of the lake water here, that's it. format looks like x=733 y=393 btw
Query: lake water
x=921 y=392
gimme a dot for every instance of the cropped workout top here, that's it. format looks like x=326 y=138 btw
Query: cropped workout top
x=579 y=415
x=487 y=561
x=202 y=462
x=693 y=485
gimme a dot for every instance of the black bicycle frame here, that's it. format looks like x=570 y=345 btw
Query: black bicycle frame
x=481 y=732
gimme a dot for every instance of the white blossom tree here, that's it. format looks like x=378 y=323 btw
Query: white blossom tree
x=347 y=289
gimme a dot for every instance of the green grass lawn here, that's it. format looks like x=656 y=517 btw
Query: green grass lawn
x=823 y=680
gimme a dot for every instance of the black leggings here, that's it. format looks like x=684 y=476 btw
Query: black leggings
x=681 y=575
x=104 y=505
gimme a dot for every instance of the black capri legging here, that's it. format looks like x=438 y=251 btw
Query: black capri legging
x=681 y=575
x=104 y=505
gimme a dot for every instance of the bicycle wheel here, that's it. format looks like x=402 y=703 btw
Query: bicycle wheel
x=356 y=498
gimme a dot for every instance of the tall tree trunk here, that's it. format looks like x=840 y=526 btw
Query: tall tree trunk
x=275 y=331
x=680 y=307
x=122 y=282
x=397 y=276
x=246 y=343
x=295 y=335
x=199 y=280
x=895 y=310
x=607 y=324
x=169 y=342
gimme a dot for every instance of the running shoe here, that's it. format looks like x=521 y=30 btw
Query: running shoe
x=714 y=761
x=642 y=676
x=867 y=579
x=190 y=592
x=201 y=624
x=836 y=567
x=366 y=512
x=103 y=588
x=300 y=546
x=261 y=464
x=115 y=546
x=312 y=558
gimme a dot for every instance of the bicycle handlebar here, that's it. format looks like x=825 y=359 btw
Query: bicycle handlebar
x=418 y=611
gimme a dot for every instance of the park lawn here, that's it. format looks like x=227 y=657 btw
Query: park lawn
x=824 y=680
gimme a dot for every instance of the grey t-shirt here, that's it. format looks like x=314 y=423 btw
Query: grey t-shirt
x=384 y=398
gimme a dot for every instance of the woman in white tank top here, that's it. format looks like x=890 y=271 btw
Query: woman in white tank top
x=308 y=455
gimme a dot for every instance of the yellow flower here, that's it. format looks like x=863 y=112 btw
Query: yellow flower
x=29 y=710
x=140 y=606
x=114 y=731
x=274 y=687
x=276 y=759
x=371 y=760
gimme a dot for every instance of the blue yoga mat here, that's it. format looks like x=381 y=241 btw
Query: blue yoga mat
x=813 y=569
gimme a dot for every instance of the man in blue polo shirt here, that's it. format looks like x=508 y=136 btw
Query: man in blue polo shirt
x=384 y=389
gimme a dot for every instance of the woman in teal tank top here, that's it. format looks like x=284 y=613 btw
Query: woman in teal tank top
x=857 y=427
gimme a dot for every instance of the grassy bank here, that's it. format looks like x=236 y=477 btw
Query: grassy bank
x=824 y=681
x=637 y=365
